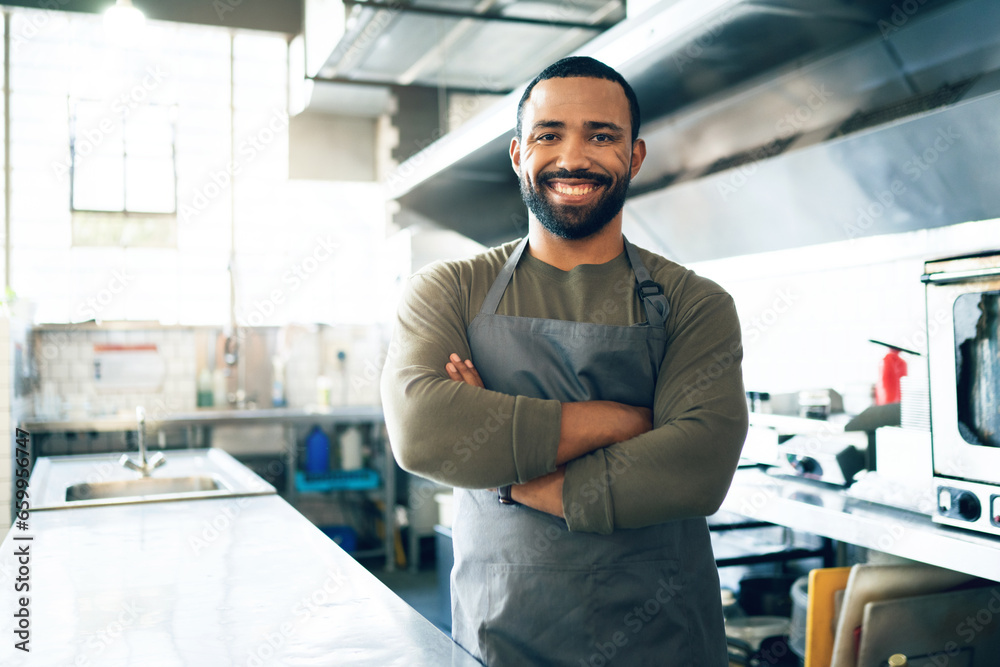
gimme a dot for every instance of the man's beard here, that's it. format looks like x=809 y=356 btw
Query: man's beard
x=574 y=222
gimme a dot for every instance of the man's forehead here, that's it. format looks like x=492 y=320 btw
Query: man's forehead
x=574 y=94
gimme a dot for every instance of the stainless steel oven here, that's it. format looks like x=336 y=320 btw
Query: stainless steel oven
x=963 y=329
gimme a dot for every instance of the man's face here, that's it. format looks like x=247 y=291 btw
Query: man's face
x=575 y=157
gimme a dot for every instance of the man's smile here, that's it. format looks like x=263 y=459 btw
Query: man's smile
x=573 y=189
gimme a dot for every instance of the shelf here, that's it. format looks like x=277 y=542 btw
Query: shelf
x=337 y=480
x=827 y=511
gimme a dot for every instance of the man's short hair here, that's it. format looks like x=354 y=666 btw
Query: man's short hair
x=583 y=66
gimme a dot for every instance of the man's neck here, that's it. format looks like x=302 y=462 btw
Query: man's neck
x=566 y=254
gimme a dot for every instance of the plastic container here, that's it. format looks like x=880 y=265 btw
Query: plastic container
x=800 y=605
x=350 y=449
x=205 y=396
x=317 y=451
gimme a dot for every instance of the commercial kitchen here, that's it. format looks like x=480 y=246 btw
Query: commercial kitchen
x=211 y=210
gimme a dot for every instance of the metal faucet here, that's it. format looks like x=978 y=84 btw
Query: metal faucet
x=144 y=466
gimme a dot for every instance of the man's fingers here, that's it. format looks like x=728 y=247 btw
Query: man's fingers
x=463 y=371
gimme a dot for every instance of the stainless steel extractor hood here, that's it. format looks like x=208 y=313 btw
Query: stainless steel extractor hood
x=484 y=45
x=727 y=86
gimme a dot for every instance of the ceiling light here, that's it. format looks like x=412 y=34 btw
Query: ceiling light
x=123 y=23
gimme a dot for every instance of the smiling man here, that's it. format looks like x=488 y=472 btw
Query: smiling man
x=585 y=398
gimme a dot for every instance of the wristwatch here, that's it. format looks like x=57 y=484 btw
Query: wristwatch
x=503 y=495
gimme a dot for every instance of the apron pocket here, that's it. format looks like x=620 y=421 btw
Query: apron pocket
x=630 y=614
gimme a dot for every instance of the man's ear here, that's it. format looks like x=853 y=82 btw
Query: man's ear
x=515 y=155
x=638 y=155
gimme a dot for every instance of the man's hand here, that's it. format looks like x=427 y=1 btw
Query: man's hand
x=542 y=493
x=463 y=371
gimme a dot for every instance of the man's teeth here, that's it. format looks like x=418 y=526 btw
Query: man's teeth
x=564 y=189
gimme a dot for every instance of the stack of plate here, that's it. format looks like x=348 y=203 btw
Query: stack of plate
x=915 y=403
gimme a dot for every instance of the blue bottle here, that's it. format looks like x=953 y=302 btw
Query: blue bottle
x=317 y=451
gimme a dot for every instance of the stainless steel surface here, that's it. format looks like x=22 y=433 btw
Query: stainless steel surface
x=471 y=44
x=725 y=113
x=84 y=481
x=964 y=372
x=144 y=466
x=232 y=581
x=144 y=486
x=288 y=418
x=820 y=509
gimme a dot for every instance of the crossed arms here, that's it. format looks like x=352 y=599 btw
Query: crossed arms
x=601 y=465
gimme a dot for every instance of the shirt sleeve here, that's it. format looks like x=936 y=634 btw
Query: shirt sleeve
x=448 y=431
x=684 y=466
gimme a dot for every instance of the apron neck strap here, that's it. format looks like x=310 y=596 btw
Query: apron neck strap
x=650 y=292
x=503 y=278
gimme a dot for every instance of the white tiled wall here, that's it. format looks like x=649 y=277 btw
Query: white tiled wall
x=67 y=386
x=808 y=314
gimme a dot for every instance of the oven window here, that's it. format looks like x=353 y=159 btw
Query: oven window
x=977 y=357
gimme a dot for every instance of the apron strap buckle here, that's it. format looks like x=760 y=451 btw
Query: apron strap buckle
x=655 y=289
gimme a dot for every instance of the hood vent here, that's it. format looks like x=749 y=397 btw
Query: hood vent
x=948 y=93
x=768 y=150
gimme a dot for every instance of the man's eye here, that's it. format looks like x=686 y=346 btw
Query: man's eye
x=547 y=137
x=602 y=137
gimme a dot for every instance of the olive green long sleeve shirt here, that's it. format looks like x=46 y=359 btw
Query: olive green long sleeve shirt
x=466 y=436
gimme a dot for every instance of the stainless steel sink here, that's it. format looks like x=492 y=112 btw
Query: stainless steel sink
x=144 y=486
x=64 y=482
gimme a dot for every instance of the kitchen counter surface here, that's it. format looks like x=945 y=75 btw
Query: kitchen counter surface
x=224 y=582
x=829 y=511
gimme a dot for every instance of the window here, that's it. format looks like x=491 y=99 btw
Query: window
x=122 y=159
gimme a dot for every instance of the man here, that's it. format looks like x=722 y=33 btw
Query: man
x=596 y=385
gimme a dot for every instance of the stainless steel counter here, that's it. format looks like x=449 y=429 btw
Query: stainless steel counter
x=238 y=581
x=828 y=511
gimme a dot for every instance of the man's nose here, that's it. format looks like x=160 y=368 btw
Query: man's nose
x=574 y=155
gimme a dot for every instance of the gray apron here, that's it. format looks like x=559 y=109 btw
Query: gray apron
x=527 y=591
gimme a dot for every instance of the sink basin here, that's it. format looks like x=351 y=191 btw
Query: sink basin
x=64 y=482
x=144 y=486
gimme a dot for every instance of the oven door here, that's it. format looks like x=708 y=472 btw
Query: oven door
x=963 y=324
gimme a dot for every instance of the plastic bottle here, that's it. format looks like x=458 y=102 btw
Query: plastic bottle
x=350 y=449
x=205 y=394
x=890 y=370
x=317 y=451
x=278 y=383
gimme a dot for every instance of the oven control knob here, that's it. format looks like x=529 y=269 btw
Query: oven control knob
x=968 y=506
x=807 y=465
